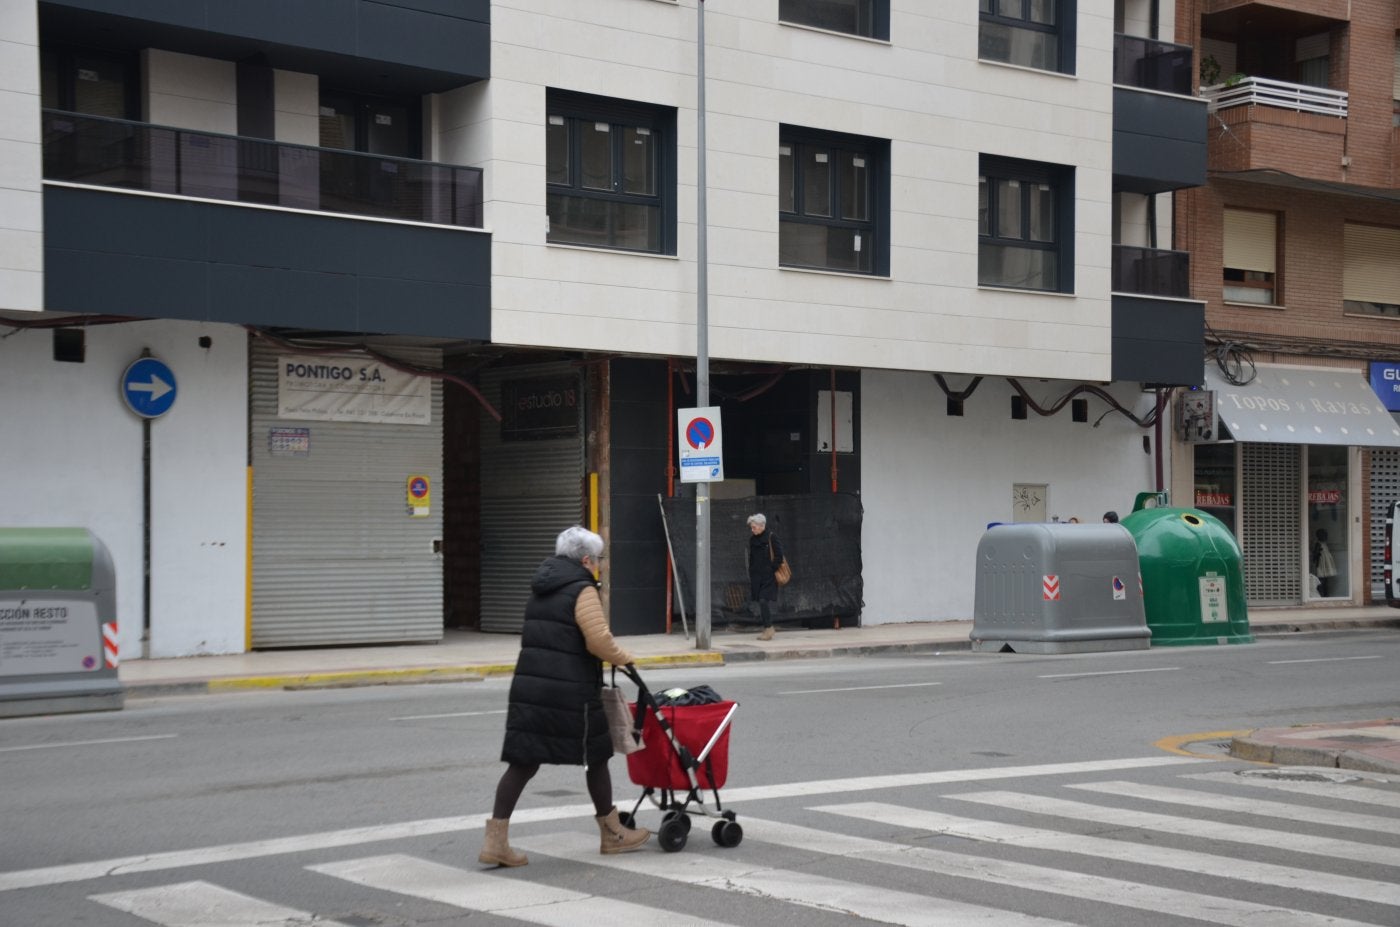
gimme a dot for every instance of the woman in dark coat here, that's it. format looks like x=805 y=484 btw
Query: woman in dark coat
x=765 y=554
x=556 y=712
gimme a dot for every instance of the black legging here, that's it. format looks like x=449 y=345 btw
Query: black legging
x=765 y=613
x=514 y=779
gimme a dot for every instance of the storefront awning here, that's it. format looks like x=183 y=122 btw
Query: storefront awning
x=1302 y=405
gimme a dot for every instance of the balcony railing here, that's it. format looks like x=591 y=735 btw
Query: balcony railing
x=160 y=159
x=1151 y=271
x=1152 y=65
x=1260 y=91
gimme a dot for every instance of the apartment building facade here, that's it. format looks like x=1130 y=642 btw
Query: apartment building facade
x=427 y=277
x=1296 y=245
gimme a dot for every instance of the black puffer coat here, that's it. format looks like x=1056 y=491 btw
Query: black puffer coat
x=762 y=586
x=555 y=713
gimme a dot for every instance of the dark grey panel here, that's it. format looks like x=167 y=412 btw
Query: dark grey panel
x=638 y=458
x=1159 y=141
x=136 y=255
x=1157 y=341
x=373 y=46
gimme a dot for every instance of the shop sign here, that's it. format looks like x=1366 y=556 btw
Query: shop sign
x=539 y=407
x=1385 y=380
x=350 y=388
x=1213 y=499
x=1324 y=496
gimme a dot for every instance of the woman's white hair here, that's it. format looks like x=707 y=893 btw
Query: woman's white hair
x=759 y=519
x=577 y=542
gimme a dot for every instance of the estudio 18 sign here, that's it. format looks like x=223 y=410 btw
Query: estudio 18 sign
x=701 y=445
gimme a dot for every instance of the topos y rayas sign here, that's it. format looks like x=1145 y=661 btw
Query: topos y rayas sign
x=350 y=388
x=701 y=445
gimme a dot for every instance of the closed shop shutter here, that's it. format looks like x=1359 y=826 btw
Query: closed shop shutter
x=1251 y=240
x=531 y=489
x=1371 y=264
x=1385 y=489
x=1270 y=524
x=336 y=557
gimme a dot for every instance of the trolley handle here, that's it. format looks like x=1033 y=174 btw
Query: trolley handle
x=643 y=695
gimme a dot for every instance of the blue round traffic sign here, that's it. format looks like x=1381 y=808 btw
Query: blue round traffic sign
x=700 y=433
x=148 y=388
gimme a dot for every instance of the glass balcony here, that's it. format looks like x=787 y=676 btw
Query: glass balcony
x=160 y=159
x=1151 y=272
x=1152 y=65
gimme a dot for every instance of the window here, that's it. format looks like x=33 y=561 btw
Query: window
x=1025 y=225
x=1371 y=270
x=833 y=202
x=870 y=18
x=376 y=125
x=1031 y=33
x=609 y=167
x=1251 y=257
x=95 y=83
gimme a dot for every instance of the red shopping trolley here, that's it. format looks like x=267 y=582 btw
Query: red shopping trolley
x=685 y=753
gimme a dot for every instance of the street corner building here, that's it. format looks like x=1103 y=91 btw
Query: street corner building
x=325 y=323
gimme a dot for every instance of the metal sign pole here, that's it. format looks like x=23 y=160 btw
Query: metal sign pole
x=702 y=344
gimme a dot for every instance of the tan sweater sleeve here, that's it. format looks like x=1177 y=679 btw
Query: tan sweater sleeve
x=588 y=612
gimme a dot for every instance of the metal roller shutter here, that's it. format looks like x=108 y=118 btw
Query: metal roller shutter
x=1370 y=264
x=1385 y=489
x=530 y=491
x=336 y=558
x=1271 y=524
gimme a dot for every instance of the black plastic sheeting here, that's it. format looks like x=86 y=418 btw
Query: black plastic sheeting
x=820 y=535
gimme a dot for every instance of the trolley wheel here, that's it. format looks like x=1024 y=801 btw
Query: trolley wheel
x=727 y=833
x=626 y=819
x=679 y=816
x=672 y=835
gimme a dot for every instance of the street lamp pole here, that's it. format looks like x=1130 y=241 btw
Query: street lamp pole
x=702 y=342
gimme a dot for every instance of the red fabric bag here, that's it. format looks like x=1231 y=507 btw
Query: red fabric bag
x=657 y=765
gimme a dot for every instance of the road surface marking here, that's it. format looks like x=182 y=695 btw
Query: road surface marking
x=710 y=869
x=1374 y=656
x=177 y=859
x=1268 y=809
x=1356 y=793
x=1214 y=909
x=88 y=743
x=455 y=714
x=1147 y=854
x=514 y=898
x=200 y=904
x=1189 y=827
x=902 y=685
x=1155 y=669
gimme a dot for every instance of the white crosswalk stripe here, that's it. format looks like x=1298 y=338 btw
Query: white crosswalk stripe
x=1209 y=908
x=1197 y=798
x=200 y=904
x=1311 y=879
x=710 y=869
x=510 y=897
x=1189 y=827
x=1316 y=789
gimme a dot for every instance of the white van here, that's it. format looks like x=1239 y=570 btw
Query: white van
x=1392 y=568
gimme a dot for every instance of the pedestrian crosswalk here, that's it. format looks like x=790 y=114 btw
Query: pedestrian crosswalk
x=1092 y=852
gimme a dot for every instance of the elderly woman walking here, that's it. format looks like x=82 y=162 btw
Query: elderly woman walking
x=765 y=554
x=556 y=713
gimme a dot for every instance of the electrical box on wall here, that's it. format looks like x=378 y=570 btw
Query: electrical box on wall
x=841 y=416
x=1195 y=416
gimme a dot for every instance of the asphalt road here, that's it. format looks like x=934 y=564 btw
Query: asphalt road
x=133 y=793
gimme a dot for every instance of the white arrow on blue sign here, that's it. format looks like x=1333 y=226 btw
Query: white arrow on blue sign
x=148 y=388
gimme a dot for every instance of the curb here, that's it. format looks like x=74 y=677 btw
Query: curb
x=1339 y=624
x=1261 y=751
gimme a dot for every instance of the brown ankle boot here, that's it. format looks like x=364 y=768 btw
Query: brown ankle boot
x=766 y=634
x=615 y=837
x=496 y=850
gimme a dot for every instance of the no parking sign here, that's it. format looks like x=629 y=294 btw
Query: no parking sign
x=701 y=445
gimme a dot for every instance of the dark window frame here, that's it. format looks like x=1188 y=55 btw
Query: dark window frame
x=876 y=227
x=791 y=11
x=1066 y=14
x=62 y=58
x=362 y=106
x=577 y=108
x=1029 y=173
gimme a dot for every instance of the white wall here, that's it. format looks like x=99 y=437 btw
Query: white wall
x=72 y=457
x=189 y=92
x=925 y=91
x=21 y=154
x=931 y=483
x=296 y=117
